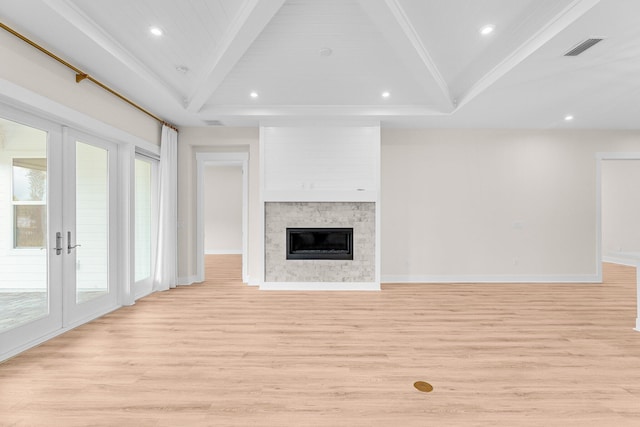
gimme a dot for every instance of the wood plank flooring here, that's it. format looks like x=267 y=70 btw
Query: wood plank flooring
x=225 y=354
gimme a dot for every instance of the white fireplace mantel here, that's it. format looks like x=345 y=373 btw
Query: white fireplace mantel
x=321 y=196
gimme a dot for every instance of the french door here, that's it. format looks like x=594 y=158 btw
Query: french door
x=89 y=224
x=58 y=196
x=30 y=271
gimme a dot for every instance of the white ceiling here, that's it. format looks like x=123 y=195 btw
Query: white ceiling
x=428 y=54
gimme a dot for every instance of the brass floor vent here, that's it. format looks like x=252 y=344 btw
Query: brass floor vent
x=423 y=386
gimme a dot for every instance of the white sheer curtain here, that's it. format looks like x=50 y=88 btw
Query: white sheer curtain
x=166 y=272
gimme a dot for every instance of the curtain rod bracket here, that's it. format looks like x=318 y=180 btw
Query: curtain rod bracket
x=80 y=77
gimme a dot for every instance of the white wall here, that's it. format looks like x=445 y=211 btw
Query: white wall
x=467 y=205
x=620 y=208
x=30 y=69
x=223 y=209
x=457 y=204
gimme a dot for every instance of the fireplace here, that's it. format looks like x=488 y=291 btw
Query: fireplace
x=320 y=243
x=356 y=219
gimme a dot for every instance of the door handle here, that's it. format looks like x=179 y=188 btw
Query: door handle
x=69 y=247
x=58 y=247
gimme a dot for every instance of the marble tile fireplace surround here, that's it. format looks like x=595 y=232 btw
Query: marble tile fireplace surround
x=282 y=215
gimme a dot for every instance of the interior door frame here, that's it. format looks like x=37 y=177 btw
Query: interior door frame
x=600 y=157
x=221 y=159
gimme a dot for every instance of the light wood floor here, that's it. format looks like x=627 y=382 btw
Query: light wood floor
x=224 y=354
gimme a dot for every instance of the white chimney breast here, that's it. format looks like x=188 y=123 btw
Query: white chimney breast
x=320 y=159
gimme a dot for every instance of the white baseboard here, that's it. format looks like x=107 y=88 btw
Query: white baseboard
x=621 y=260
x=637 y=328
x=143 y=294
x=223 y=251
x=430 y=279
x=320 y=286
x=189 y=280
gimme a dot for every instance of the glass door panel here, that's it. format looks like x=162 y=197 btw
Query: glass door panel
x=143 y=219
x=24 y=287
x=89 y=227
x=30 y=268
x=92 y=222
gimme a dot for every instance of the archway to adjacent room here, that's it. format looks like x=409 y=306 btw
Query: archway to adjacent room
x=227 y=165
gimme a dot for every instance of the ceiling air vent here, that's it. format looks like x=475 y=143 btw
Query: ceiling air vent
x=213 y=123
x=582 y=46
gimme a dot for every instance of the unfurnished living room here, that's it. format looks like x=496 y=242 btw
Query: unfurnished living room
x=319 y=213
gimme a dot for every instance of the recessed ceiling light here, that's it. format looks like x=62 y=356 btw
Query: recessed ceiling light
x=156 y=31
x=568 y=118
x=253 y=94
x=386 y=94
x=487 y=29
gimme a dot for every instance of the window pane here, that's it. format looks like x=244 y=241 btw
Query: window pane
x=30 y=226
x=143 y=220
x=29 y=180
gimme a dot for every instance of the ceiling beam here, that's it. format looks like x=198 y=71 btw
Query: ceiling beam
x=245 y=28
x=392 y=21
x=79 y=20
x=219 y=112
x=557 y=24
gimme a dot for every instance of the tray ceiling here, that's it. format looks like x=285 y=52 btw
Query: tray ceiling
x=333 y=59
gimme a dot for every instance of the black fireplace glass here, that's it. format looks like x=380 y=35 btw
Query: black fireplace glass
x=320 y=243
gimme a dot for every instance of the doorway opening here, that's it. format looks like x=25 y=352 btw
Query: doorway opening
x=619 y=209
x=222 y=207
